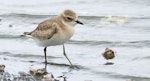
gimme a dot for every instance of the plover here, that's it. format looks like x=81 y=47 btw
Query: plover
x=56 y=31
x=108 y=54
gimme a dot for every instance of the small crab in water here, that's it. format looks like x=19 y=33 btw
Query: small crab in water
x=108 y=54
x=2 y=67
x=40 y=71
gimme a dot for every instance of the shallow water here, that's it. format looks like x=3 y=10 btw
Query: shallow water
x=129 y=39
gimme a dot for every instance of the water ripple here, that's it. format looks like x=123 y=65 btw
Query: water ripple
x=115 y=43
x=44 y=16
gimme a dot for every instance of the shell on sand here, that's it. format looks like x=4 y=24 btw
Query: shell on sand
x=39 y=71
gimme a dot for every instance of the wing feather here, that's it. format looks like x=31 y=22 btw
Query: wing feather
x=45 y=30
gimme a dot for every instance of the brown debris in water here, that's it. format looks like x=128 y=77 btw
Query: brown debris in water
x=2 y=67
x=108 y=54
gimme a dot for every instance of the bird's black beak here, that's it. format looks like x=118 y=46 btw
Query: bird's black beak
x=79 y=22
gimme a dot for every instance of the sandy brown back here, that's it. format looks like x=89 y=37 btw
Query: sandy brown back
x=46 y=29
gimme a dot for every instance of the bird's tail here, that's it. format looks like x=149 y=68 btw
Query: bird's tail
x=25 y=33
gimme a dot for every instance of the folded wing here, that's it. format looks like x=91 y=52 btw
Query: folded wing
x=45 y=30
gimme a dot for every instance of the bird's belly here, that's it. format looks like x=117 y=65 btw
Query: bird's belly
x=57 y=39
x=50 y=42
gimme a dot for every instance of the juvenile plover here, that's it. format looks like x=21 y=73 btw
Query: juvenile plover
x=56 y=31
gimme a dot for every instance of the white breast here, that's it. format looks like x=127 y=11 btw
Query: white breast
x=59 y=38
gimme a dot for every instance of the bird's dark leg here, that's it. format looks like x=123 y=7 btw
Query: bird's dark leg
x=45 y=55
x=66 y=55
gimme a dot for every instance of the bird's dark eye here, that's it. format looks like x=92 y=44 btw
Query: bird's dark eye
x=69 y=18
